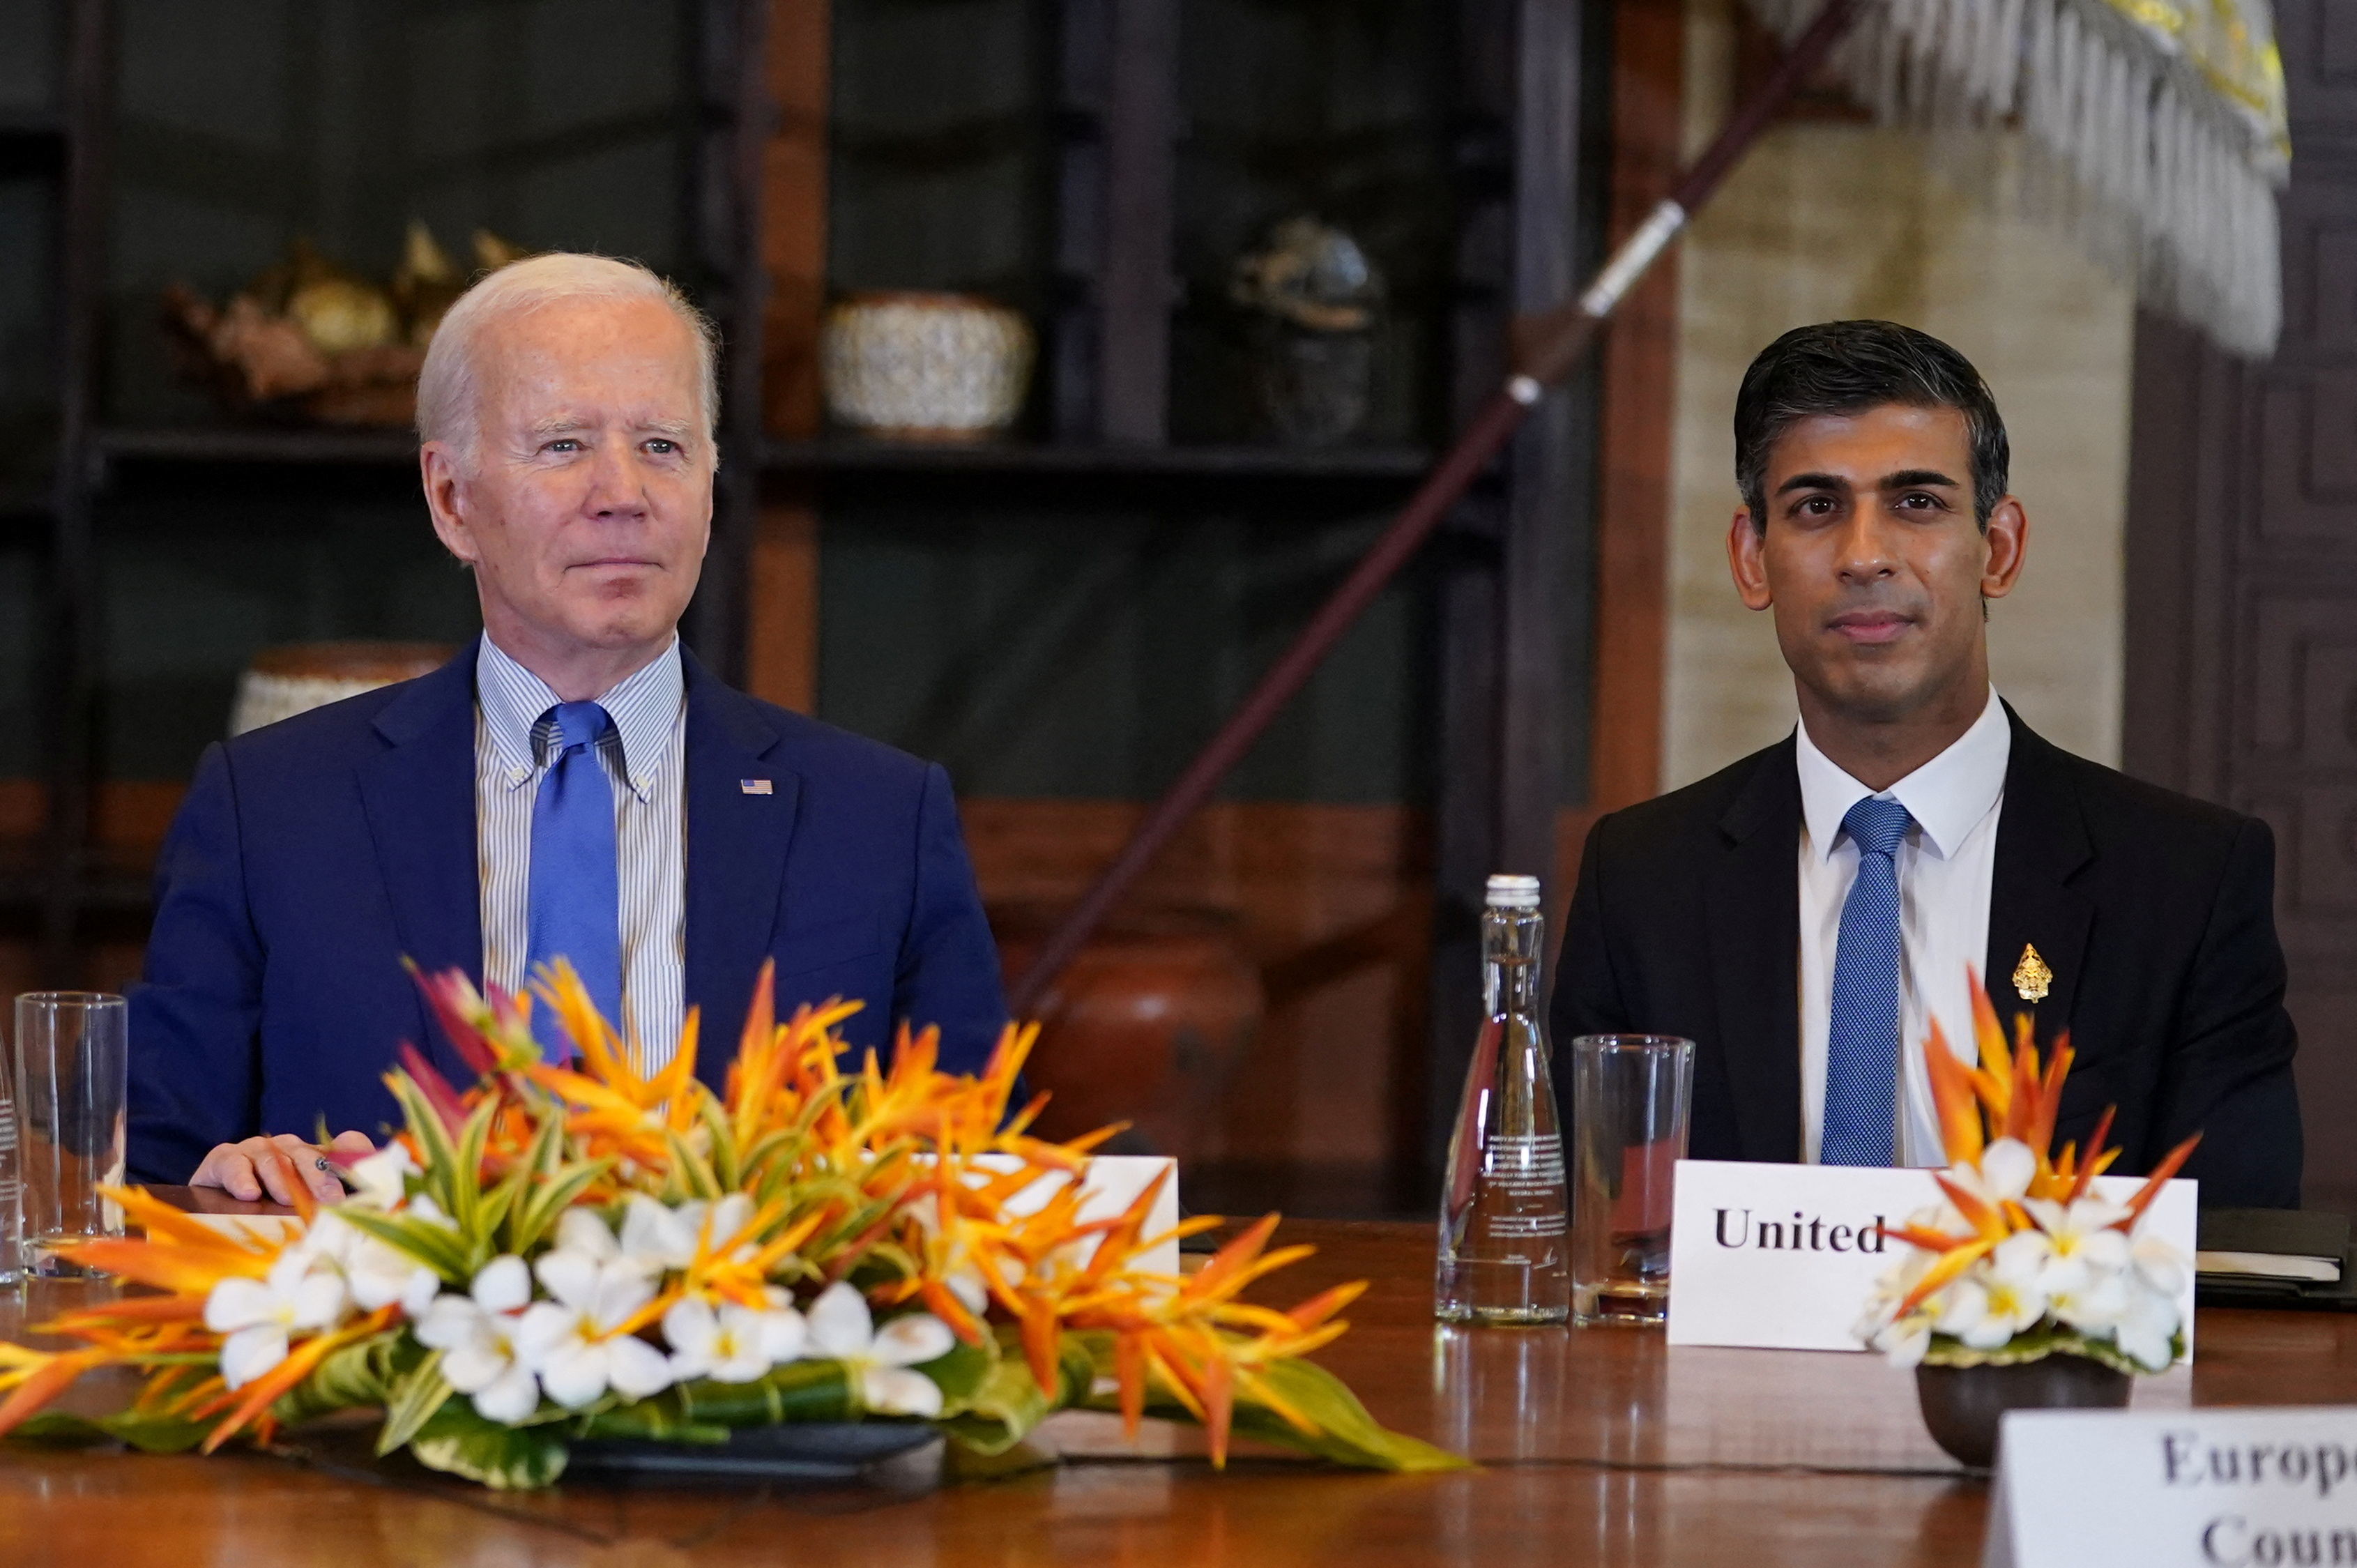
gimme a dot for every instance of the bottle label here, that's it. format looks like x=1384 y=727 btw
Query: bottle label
x=1527 y=1169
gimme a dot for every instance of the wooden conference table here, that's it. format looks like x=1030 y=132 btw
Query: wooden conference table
x=1597 y=1447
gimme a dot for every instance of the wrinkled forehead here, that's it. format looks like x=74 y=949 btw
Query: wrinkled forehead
x=584 y=362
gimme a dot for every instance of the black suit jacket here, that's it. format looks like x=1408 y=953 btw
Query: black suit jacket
x=2153 y=910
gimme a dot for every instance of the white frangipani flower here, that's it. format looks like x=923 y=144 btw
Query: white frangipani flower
x=2161 y=1266
x=655 y=1238
x=381 y=1180
x=880 y=1361
x=2146 y=1329
x=2085 y=1246
x=477 y=1336
x=376 y=1275
x=732 y=1343
x=2091 y=1303
x=1995 y=1299
x=258 y=1315
x=576 y=1343
x=2006 y=1170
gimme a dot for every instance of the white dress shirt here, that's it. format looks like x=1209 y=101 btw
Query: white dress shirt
x=645 y=757
x=1945 y=864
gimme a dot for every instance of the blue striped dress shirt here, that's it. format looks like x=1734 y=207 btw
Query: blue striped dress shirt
x=645 y=757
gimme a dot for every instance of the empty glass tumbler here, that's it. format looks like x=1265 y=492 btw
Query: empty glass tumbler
x=73 y=1066
x=1504 y=1255
x=1629 y=1096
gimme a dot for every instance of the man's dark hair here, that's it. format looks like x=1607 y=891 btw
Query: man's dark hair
x=1848 y=367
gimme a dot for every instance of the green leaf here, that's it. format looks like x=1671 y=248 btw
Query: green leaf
x=963 y=1373
x=1001 y=1413
x=722 y=1138
x=437 y=1247
x=413 y=1400
x=156 y=1433
x=504 y=1458
x=465 y=1206
x=57 y=1428
x=1346 y=1433
x=351 y=1376
x=798 y=1390
x=435 y=1154
x=652 y=1420
x=549 y=1199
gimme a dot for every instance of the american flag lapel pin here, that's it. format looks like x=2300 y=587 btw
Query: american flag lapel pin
x=754 y=786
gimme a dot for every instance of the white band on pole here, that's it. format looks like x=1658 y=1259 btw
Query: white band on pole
x=1636 y=253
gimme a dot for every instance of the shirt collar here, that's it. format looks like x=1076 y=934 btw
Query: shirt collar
x=1947 y=796
x=644 y=707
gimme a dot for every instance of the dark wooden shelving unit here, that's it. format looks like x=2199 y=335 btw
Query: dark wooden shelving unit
x=248 y=446
x=62 y=875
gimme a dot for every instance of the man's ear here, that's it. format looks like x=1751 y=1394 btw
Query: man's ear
x=446 y=500
x=1745 y=561
x=2008 y=547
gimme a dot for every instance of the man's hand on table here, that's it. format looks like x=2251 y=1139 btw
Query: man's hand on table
x=278 y=1165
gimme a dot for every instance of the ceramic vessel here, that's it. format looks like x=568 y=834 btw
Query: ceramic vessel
x=924 y=367
x=1962 y=1405
x=300 y=676
x=1144 y=1026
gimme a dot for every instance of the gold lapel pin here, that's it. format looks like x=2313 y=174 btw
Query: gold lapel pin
x=2031 y=978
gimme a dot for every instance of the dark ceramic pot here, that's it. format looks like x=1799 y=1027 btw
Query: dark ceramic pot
x=1144 y=1027
x=1962 y=1405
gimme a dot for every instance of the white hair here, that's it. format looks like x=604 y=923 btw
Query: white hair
x=448 y=398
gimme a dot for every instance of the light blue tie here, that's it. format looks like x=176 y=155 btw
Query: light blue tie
x=1861 y=1121
x=574 y=892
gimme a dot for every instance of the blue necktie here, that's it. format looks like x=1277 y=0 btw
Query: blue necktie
x=1861 y=1121
x=574 y=891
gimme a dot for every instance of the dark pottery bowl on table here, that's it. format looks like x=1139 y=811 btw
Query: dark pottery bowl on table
x=1962 y=1406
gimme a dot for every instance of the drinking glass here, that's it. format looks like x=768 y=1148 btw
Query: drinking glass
x=12 y=1216
x=73 y=1067
x=1630 y=1097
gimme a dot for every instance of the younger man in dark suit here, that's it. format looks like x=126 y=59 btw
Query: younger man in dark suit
x=1806 y=914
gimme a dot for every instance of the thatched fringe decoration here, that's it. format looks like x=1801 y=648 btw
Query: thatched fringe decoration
x=2159 y=126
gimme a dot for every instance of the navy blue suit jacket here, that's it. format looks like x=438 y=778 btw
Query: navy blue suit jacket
x=311 y=856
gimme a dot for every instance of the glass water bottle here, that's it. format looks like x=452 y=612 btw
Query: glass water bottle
x=1505 y=1248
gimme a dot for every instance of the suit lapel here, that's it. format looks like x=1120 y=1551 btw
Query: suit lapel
x=419 y=798
x=1753 y=915
x=736 y=848
x=2041 y=842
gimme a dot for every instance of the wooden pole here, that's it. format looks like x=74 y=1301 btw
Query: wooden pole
x=1547 y=348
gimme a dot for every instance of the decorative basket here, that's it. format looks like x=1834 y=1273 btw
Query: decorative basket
x=925 y=367
x=300 y=676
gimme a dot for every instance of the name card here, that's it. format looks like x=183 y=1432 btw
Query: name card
x=2218 y=1488
x=1109 y=1185
x=1784 y=1257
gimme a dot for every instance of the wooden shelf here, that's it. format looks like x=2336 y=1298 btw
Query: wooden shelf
x=35 y=125
x=850 y=455
x=257 y=444
x=230 y=445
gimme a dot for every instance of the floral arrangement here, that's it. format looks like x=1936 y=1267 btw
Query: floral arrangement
x=2024 y=1260
x=569 y=1252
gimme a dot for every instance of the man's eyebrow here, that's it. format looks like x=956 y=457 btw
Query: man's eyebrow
x=1907 y=478
x=1813 y=482
x=558 y=423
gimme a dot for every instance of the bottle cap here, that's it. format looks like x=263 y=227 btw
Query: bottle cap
x=1513 y=892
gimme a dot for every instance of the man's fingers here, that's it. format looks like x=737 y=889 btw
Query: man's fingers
x=230 y=1171
x=310 y=1168
x=278 y=1167
x=277 y=1173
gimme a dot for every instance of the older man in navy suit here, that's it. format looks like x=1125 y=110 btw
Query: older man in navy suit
x=572 y=784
